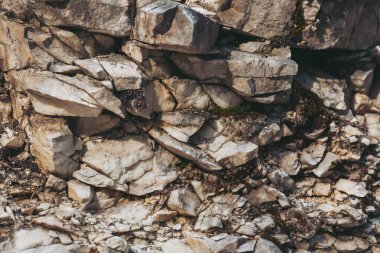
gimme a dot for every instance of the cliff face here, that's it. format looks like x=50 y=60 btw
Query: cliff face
x=198 y=126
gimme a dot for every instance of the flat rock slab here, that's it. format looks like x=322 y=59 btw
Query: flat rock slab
x=114 y=157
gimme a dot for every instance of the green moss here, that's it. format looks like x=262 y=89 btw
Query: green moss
x=239 y=111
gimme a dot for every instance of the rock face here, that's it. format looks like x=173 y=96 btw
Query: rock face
x=173 y=26
x=259 y=18
x=192 y=126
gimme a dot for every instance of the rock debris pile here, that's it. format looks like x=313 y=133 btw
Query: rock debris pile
x=198 y=126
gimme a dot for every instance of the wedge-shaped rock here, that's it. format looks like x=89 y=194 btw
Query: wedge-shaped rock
x=124 y=73
x=197 y=156
x=173 y=26
x=14 y=49
x=183 y=124
x=261 y=18
x=98 y=16
x=92 y=67
x=59 y=95
x=162 y=171
x=114 y=157
x=53 y=145
x=90 y=176
x=222 y=96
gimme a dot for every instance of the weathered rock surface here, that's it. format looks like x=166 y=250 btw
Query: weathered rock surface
x=173 y=26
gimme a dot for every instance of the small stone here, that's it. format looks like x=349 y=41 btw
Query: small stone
x=351 y=188
x=270 y=134
x=80 y=192
x=327 y=165
x=177 y=246
x=265 y=246
x=184 y=202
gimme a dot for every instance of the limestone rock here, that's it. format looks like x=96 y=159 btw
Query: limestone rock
x=89 y=176
x=92 y=67
x=96 y=125
x=68 y=96
x=373 y=127
x=125 y=74
x=198 y=157
x=188 y=94
x=53 y=145
x=259 y=17
x=114 y=157
x=183 y=124
x=312 y=155
x=232 y=154
x=325 y=167
x=266 y=246
x=289 y=162
x=175 y=245
x=328 y=89
x=351 y=188
x=270 y=134
x=133 y=212
x=80 y=192
x=184 y=202
x=161 y=173
x=163 y=100
x=14 y=49
x=173 y=26
x=221 y=96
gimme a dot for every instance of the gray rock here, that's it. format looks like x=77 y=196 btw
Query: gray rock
x=80 y=192
x=327 y=165
x=53 y=145
x=205 y=223
x=259 y=17
x=270 y=134
x=184 y=202
x=351 y=188
x=265 y=246
x=176 y=245
x=222 y=96
x=173 y=26
x=198 y=157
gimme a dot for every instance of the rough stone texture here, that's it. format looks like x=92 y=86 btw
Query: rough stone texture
x=259 y=17
x=173 y=26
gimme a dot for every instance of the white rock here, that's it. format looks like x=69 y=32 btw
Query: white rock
x=184 y=202
x=327 y=165
x=176 y=245
x=222 y=96
x=351 y=188
x=80 y=192
x=265 y=246
x=270 y=134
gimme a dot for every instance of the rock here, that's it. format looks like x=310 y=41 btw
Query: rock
x=270 y=134
x=160 y=23
x=117 y=243
x=327 y=165
x=65 y=69
x=351 y=188
x=125 y=74
x=79 y=192
x=205 y=223
x=92 y=68
x=53 y=145
x=330 y=90
x=89 y=176
x=356 y=244
x=331 y=29
x=361 y=80
x=312 y=155
x=188 y=94
x=322 y=189
x=264 y=222
x=55 y=183
x=132 y=212
x=29 y=239
x=175 y=245
x=265 y=246
x=226 y=244
x=163 y=171
x=51 y=222
x=125 y=153
x=289 y=162
x=183 y=124
x=373 y=127
x=259 y=18
x=163 y=101
x=221 y=96
x=53 y=46
x=68 y=96
x=267 y=194
x=184 y=202
x=198 y=157
x=14 y=49
x=97 y=125
x=247 y=247
x=232 y=154
x=95 y=16
x=70 y=39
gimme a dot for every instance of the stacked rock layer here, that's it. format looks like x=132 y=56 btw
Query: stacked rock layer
x=198 y=126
